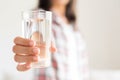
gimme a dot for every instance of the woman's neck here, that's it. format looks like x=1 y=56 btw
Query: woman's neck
x=59 y=10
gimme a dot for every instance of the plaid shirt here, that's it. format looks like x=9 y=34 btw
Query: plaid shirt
x=59 y=69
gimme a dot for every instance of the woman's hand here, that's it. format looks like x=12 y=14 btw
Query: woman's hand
x=26 y=52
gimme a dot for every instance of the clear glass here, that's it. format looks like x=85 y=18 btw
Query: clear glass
x=37 y=27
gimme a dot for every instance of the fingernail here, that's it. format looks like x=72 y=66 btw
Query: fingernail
x=35 y=50
x=31 y=43
x=28 y=66
x=35 y=58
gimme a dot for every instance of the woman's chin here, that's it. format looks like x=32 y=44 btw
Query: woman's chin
x=62 y=2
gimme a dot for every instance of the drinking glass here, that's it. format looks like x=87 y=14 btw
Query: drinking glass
x=37 y=27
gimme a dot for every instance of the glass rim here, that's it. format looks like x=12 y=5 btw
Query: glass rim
x=36 y=11
x=27 y=14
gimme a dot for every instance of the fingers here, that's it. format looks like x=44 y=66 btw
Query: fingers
x=53 y=48
x=23 y=67
x=21 y=50
x=26 y=52
x=23 y=42
x=25 y=59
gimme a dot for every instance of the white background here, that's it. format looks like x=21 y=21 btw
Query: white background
x=100 y=24
x=99 y=21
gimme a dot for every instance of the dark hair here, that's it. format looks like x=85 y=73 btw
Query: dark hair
x=70 y=13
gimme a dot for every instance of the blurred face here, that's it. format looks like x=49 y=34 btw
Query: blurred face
x=60 y=2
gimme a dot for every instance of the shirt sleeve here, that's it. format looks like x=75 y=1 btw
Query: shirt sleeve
x=82 y=56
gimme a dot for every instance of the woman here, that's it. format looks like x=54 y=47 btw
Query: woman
x=70 y=60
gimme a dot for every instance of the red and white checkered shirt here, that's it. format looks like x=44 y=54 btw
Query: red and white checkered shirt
x=60 y=69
